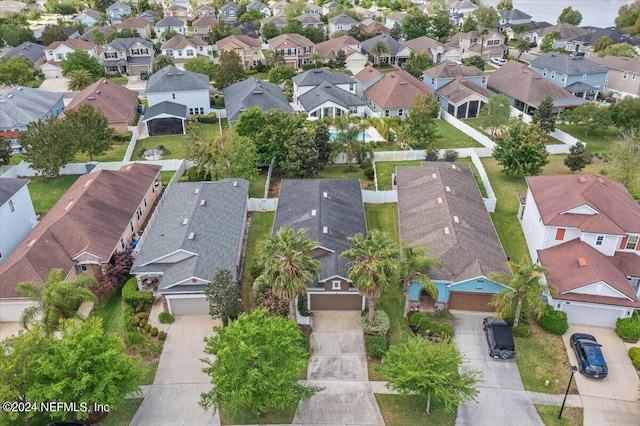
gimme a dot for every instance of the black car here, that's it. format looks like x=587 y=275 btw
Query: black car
x=591 y=362
x=499 y=338
x=144 y=75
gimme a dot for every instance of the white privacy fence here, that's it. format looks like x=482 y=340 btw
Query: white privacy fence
x=465 y=128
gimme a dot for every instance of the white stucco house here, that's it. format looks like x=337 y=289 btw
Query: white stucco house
x=16 y=214
x=57 y=52
x=585 y=229
x=182 y=87
x=321 y=93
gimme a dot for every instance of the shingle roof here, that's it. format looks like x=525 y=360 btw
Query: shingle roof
x=217 y=228
x=567 y=31
x=22 y=105
x=430 y=198
x=72 y=43
x=244 y=94
x=373 y=27
x=104 y=30
x=397 y=89
x=95 y=14
x=366 y=74
x=618 y=214
x=9 y=187
x=171 y=78
x=229 y=6
x=342 y=19
x=294 y=39
x=132 y=22
x=256 y=5
x=169 y=21
x=166 y=107
x=449 y=69
x=329 y=48
x=579 y=86
x=90 y=217
x=28 y=50
x=619 y=63
x=179 y=41
x=341 y=213
x=117 y=103
x=328 y=92
x=242 y=39
x=308 y=19
x=317 y=76
x=123 y=44
x=514 y=14
x=423 y=44
x=205 y=21
x=460 y=89
x=567 y=65
x=395 y=46
x=615 y=34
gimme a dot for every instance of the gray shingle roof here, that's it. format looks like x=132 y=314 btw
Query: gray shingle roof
x=28 y=50
x=244 y=94
x=342 y=19
x=21 y=106
x=567 y=65
x=169 y=21
x=229 y=6
x=328 y=92
x=615 y=34
x=341 y=212
x=171 y=78
x=217 y=226
x=9 y=187
x=579 y=86
x=123 y=44
x=318 y=76
x=166 y=107
x=256 y=5
x=514 y=14
x=394 y=45
x=428 y=207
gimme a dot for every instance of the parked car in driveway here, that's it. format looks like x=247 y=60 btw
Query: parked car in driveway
x=499 y=338
x=591 y=362
x=498 y=61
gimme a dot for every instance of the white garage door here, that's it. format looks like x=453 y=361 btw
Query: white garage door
x=188 y=306
x=591 y=315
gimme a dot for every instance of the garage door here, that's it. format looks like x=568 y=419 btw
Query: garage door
x=466 y=301
x=188 y=306
x=346 y=302
x=591 y=315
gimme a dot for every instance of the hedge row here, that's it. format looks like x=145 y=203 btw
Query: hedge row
x=380 y=325
x=629 y=328
x=555 y=322
x=138 y=300
x=423 y=323
x=634 y=354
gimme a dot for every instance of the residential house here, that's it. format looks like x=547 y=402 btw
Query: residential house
x=117 y=103
x=176 y=11
x=203 y=10
x=312 y=9
x=70 y=32
x=587 y=42
x=447 y=71
x=263 y=8
x=462 y=98
x=624 y=75
x=321 y=93
x=366 y=78
x=437 y=51
x=459 y=10
x=180 y=87
x=331 y=211
x=392 y=94
x=397 y=54
x=329 y=7
x=202 y=26
x=370 y=13
x=229 y=13
x=512 y=17
x=371 y=28
x=21 y=106
x=341 y=23
x=150 y=16
x=246 y=28
x=252 y=92
x=9 y=6
x=394 y=19
x=585 y=229
x=88 y=18
x=578 y=75
x=117 y=12
x=440 y=208
x=296 y=49
x=526 y=88
x=139 y=24
x=279 y=21
x=347 y=44
x=105 y=31
x=567 y=33
x=166 y=118
x=182 y=49
x=57 y=52
x=101 y=214
x=277 y=8
x=128 y=56
x=169 y=24
x=248 y=49
x=491 y=45
x=32 y=52
x=16 y=214
x=197 y=229
x=310 y=21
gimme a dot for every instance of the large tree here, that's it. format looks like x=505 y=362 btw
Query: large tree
x=629 y=18
x=523 y=288
x=5 y=151
x=488 y=18
x=625 y=114
x=79 y=80
x=602 y=43
x=286 y=264
x=55 y=299
x=197 y=146
x=620 y=49
x=221 y=30
x=347 y=141
x=230 y=70
x=415 y=268
x=232 y=156
x=322 y=139
x=495 y=113
x=92 y=132
x=52 y=33
x=544 y=116
x=625 y=155
x=48 y=147
x=374 y=266
x=161 y=61
x=379 y=49
x=576 y=159
x=80 y=59
x=548 y=41
x=588 y=117
x=258 y=360
x=441 y=26
x=269 y=31
x=301 y=161
x=420 y=366
x=474 y=61
x=420 y=121
x=521 y=150
x=201 y=66
x=570 y=16
x=417 y=64
x=522 y=46
x=16 y=71
x=224 y=297
x=415 y=25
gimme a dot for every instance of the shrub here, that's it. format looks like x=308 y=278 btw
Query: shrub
x=212 y=118
x=369 y=172
x=431 y=154
x=442 y=329
x=522 y=330
x=118 y=269
x=415 y=318
x=138 y=300
x=162 y=335
x=166 y=318
x=376 y=346
x=629 y=328
x=142 y=322
x=424 y=324
x=380 y=325
x=443 y=314
x=154 y=331
x=634 y=354
x=147 y=328
x=134 y=322
x=122 y=137
x=143 y=315
x=555 y=322
x=451 y=155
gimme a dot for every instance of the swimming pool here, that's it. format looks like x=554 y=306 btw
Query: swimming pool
x=333 y=134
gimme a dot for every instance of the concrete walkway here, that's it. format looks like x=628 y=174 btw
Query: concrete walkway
x=338 y=364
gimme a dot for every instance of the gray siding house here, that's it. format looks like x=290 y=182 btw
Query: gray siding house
x=578 y=75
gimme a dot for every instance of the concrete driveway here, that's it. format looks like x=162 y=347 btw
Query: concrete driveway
x=613 y=400
x=57 y=85
x=173 y=398
x=8 y=329
x=338 y=364
x=502 y=399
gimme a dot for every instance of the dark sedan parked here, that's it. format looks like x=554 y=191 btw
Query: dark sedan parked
x=591 y=362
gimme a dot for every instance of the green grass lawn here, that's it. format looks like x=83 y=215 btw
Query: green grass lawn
x=122 y=81
x=597 y=142
x=256 y=188
x=571 y=416
x=166 y=176
x=45 y=192
x=450 y=137
x=116 y=153
x=406 y=410
x=16 y=159
x=260 y=227
x=383 y=217
x=173 y=143
x=384 y=170
x=284 y=416
x=122 y=414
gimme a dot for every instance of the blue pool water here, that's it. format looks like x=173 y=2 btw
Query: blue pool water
x=333 y=134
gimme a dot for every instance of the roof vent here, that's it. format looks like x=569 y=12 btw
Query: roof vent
x=434 y=175
x=97 y=92
x=601 y=180
x=439 y=200
x=235 y=183
x=453 y=166
x=91 y=98
x=314 y=212
x=68 y=205
x=185 y=221
x=446 y=188
x=180 y=73
x=446 y=230
x=195 y=191
x=325 y=229
x=32 y=242
x=104 y=81
x=10 y=95
x=192 y=235
x=583 y=262
x=88 y=182
x=203 y=202
x=583 y=179
x=325 y=195
x=170 y=73
x=456 y=219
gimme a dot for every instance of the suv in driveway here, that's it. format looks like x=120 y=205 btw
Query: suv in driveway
x=499 y=338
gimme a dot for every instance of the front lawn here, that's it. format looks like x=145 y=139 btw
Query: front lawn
x=406 y=410
x=384 y=170
x=260 y=227
x=45 y=192
x=571 y=416
x=123 y=413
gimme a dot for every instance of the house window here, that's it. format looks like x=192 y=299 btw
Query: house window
x=122 y=242
x=111 y=55
x=139 y=213
x=553 y=75
x=400 y=112
x=189 y=52
x=563 y=78
x=11 y=206
x=624 y=75
x=112 y=69
x=84 y=268
x=386 y=112
x=145 y=203
x=631 y=243
x=168 y=52
x=131 y=226
x=599 y=240
x=584 y=76
x=544 y=72
x=59 y=56
x=335 y=285
x=633 y=76
x=560 y=234
x=179 y=52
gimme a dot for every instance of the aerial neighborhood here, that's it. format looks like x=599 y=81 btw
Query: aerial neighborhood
x=320 y=212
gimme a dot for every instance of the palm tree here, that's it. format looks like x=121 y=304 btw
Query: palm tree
x=380 y=48
x=79 y=79
x=524 y=288
x=375 y=266
x=347 y=141
x=286 y=265
x=316 y=58
x=415 y=268
x=523 y=45
x=276 y=59
x=55 y=299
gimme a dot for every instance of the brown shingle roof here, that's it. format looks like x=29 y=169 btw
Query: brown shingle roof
x=618 y=212
x=461 y=89
x=374 y=27
x=618 y=63
x=292 y=39
x=449 y=69
x=73 y=43
x=205 y=21
x=567 y=31
x=329 y=48
x=117 y=103
x=423 y=44
x=133 y=23
x=240 y=40
x=398 y=89
x=180 y=42
x=366 y=74
x=104 y=30
x=90 y=217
